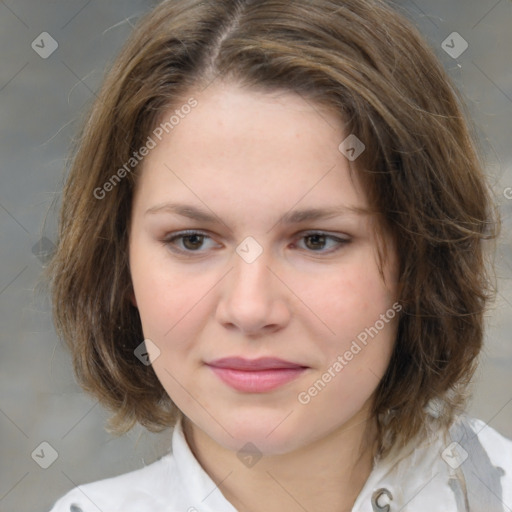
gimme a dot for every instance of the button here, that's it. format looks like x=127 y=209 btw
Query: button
x=381 y=500
x=75 y=508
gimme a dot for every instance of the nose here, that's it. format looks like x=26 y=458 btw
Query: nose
x=252 y=300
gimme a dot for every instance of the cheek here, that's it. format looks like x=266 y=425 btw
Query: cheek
x=163 y=294
x=174 y=308
x=358 y=307
x=360 y=311
x=351 y=300
x=168 y=310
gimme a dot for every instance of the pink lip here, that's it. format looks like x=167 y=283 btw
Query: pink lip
x=255 y=375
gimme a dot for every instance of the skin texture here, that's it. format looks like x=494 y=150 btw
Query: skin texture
x=247 y=158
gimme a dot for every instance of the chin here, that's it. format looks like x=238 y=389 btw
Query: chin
x=271 y=432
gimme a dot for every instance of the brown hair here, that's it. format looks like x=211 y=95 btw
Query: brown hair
x=420 y=169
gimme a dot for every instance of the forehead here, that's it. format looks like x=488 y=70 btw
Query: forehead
x=252 y=149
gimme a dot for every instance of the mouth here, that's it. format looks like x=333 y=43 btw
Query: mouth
x=255 y=375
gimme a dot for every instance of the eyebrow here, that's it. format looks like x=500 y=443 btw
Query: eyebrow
x=291 y=217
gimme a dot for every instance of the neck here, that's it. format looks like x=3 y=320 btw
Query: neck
x=327 y=474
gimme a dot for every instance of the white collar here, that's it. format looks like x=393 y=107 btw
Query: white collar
x=202 y=491
x=422 y=477
x=394 y=481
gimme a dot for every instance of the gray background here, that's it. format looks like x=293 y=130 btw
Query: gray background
x=41 y=104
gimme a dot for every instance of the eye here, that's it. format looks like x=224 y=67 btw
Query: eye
x=187 y=241
x=318 y=241
x=198 y=242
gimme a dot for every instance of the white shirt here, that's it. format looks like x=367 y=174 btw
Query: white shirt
x=468 y=469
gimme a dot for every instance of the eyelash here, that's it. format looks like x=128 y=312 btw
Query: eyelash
x=169 y=241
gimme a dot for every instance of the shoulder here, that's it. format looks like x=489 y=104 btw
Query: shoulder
x=467 y=467
x=176 y=482
x=497 y=446
x=139 y=490
x=481 y=440
x=484 y=457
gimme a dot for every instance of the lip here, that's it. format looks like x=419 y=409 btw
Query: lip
x=255 y=375
x=260 y=364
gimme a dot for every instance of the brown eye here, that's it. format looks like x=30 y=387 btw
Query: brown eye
x=316 y=241
x=192 y=242
x=322 y=243
x=189 y=242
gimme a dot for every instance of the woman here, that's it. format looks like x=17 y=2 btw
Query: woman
x=272 y=239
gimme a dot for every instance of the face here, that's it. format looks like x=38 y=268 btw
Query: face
x=255 y=274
